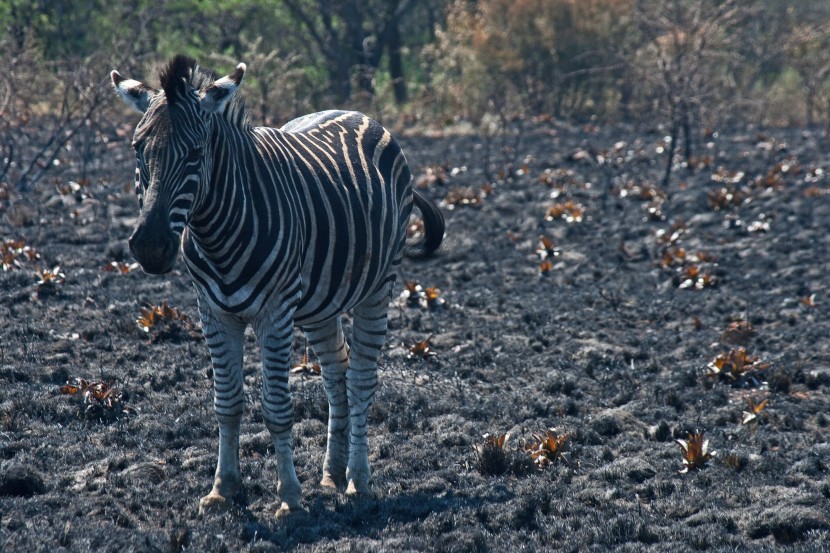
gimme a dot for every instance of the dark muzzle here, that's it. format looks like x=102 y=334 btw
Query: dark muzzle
x=154 y=245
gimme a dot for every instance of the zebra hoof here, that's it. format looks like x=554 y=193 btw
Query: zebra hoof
x=359 y=491
x=331 y=481
x=286 y=510
x=213 y=503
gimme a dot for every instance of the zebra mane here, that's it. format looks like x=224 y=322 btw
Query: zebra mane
x=182 y=72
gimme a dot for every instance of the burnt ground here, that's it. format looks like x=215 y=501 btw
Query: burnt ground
x=611 y=347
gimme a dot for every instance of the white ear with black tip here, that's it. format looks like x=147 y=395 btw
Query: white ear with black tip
x=134 y=93
x=216 y=96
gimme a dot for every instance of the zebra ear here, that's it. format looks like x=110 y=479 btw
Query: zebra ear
x=217 y=95
x=134 y=93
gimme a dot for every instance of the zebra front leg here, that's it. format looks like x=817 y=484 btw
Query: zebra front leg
x=329 y=345
x=275 y=335
x=368 y=335
x=224 y=340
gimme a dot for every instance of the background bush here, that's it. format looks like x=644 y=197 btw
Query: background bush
x=685 y=66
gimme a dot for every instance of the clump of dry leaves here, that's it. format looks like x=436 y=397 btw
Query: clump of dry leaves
x=14 y=253
x=466 y=196
x=119 y=267
x=49 y=277
x=568 y=211
x=99 y=399
x=725 y=197
x=421 y=350
x=548 y=448
x=416 y=295
x=738 y=333
x=547 y=251
x=491 y=455
x=306 y=367
x=163 y=322
x=695 y=452
x=754 y=411
x=690 y=270
x=736 y=365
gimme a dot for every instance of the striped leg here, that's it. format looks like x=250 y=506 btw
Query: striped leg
x=275 y=335
x=326 y=339
x=224 y=340
x=368 y=335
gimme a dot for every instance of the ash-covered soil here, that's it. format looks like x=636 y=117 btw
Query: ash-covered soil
x=611 y=346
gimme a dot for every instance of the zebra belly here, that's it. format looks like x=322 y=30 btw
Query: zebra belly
x=323 y=300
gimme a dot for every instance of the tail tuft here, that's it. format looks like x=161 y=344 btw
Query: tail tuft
x=433 y=228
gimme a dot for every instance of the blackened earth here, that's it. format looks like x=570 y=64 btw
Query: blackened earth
x=611 y=346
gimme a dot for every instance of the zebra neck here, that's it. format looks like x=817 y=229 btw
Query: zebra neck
x=238 y=226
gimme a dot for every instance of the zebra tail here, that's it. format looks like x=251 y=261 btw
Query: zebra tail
x=433 y=228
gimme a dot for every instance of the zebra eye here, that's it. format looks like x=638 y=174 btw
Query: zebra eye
x=195 y=154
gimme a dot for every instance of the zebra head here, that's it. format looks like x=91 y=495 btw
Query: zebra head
x=172 y=147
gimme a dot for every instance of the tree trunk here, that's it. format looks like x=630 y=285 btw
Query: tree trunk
x=396 y=63
x=672 y=147
x=688 y=146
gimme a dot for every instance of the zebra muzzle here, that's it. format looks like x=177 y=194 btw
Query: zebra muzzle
x=154 y=247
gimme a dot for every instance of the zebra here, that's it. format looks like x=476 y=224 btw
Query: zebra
x=278 y=228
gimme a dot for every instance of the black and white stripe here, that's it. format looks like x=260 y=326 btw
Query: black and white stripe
x=278 y=227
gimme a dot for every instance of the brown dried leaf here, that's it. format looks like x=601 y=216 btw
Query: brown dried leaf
x=569 y=211
x=421 y=350
x=306 y=367
x=738 y=333
x=548 y=448
x=754 y=411
x=735 y=364
x=695 y=452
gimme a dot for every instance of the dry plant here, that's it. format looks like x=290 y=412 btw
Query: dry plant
x=671 y=237
x=738 y=333
x=415 y=229
x=806 y=47
x=808 y=302
x=753 y=412
x=49 y=279
x=548 y=448
x=119 y=267
x=421 y=350
x=416 y=295
x=14 y=253
x=690 y=271
x=695 y=452
x=725 y=198
x=568 y=211
x=306 y=367
x=645 y=191
x=165 y=322
x=560 y=179
x=546 y=248
x=736 y=365
x=695 y=277
x=67 y=99
x=433 y=175
x=466 y=196
x=98 y=398
x=685 y=65
x=543 y=56
x=491 y=454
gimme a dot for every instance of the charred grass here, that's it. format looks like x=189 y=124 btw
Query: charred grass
x=612 y=344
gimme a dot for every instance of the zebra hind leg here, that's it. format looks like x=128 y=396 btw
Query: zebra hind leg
x=275 y=334
x=368 y=334
x=328 y=343
x=224 y=340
